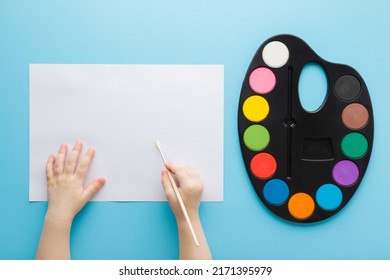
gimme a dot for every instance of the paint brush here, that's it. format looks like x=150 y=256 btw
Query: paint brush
x=178 y=196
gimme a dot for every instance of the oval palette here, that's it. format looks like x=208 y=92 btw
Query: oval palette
x=305 y=166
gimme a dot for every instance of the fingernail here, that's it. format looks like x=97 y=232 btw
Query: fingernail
x=62 y=148
x=78 y=144
x=102 y=181
x=90 y=151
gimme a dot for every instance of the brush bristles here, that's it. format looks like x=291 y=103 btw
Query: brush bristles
x=157 y=143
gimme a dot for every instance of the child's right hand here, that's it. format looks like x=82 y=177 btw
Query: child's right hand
x=190 y=187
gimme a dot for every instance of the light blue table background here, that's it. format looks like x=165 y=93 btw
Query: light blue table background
x=356 y=33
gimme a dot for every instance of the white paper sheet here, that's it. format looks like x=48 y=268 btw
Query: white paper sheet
x=121 y=110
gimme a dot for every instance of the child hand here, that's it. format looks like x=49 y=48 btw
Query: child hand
x=190 y=187
x=65 y=182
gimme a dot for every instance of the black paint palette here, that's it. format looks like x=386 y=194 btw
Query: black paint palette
x=305 y=166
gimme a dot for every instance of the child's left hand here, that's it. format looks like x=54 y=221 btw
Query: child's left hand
x=65 y=182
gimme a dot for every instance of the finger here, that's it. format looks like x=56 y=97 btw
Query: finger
x=60 y=159
x=92 y=189
x=50 y=168
x=181 y=172
x=73 y=157
x=187 y=177
x=82 y=168
x=171 y=167
x=168 y=188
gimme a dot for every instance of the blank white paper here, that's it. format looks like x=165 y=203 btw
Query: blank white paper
x=121 y=110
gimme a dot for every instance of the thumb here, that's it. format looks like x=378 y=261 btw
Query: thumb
x=93 y=188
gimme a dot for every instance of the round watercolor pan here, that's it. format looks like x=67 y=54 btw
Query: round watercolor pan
x=305 y=166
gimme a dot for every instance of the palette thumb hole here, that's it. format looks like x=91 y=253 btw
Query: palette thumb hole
x=305 y=166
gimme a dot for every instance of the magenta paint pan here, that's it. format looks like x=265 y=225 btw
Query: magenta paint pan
x=305 y=166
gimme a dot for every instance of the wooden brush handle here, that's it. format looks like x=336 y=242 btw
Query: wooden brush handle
x=183 y=208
